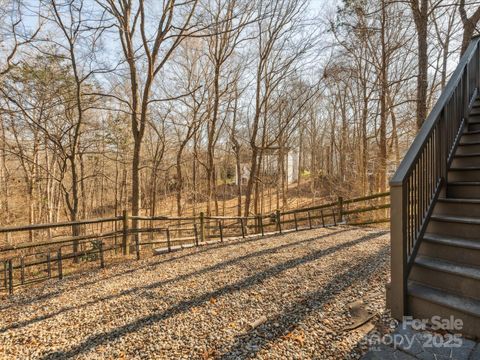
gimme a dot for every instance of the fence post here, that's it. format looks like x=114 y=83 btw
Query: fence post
x=5 y=274
x=168 y=240
x=279 y=225
x=334 y=217
x=340 y=208
x=150 y=233
x=100 y=248
x=220 y=226
x=125 y=247
x=76 y=231
x=10 y=277
x=202 y=227
x=22 y=270
x=323 y=218
x=195 y=232
x=242 y=225
x=260 y=222
x=59 y=263
x=137 y=245
x=309 y=220
x=49 y=266
x=115 y=228
x=296 y=222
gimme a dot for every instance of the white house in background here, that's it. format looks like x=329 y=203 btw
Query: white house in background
x=269 y=167
x=293 y=158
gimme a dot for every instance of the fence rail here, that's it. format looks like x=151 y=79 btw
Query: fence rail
x=114 y=238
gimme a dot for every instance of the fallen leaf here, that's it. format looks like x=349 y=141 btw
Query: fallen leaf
x=299 y=338
x=208 y=354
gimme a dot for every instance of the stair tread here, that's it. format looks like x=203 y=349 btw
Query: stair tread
x=472 y=132
x=468 y=143
x=464 y=183
x=459 y=200
x=458 y=219
x=452 y=241
x=461 y=303
x=464 y=168
x=467 y=155
x=469 y=271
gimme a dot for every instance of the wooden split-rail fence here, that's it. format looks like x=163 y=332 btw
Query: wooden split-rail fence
x=58 y=252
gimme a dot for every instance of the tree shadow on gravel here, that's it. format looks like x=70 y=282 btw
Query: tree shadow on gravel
x=218 y=266
x=172 y=257
x=94 y=340
x=282 y=324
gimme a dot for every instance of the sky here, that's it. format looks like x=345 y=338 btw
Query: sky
x=323 y=6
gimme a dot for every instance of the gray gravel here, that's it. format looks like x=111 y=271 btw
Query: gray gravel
x=282 y=297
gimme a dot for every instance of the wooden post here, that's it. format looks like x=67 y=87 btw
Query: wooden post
x=309 y=220
x=151 y=231
x=340 y=208
x=323 y=218
x=75 y=248
x=49 y=266
x=168 y=240
x=100 y=248
x=22 y=270
x=279 y=225
x=202 y=227
x=115 y=227
x=398 y=240
x=296 y=222
x=10 y=277
x=125 y=247
x=242 y=225
x=261 y=225
x=334 y=218
x=137 y=245
x=220 y=226
x=195 y=232
x=59 y=263
x=5 y=274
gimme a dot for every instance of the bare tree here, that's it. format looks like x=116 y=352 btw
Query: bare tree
x=469 y=24
x=147 y=43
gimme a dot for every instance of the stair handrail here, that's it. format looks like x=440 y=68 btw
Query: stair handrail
x=420 y=177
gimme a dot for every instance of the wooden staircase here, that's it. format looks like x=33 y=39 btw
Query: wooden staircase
x=435 y=202
x=445 y=277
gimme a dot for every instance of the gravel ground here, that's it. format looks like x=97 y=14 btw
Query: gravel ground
x=282 y=297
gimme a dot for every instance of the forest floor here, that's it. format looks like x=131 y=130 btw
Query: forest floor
x=280 y=297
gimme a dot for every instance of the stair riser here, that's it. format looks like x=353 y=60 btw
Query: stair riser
x=422 y=309
x=442 y=280
x=466 y=161
x=469 y=149
x=464 y=175
x=463 y=191
x=470 y=138
x=450 y=253
x=474 y=126
x=453 y=229
x=456 y=209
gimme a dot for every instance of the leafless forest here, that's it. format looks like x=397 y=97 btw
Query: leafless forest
x=229 y=107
